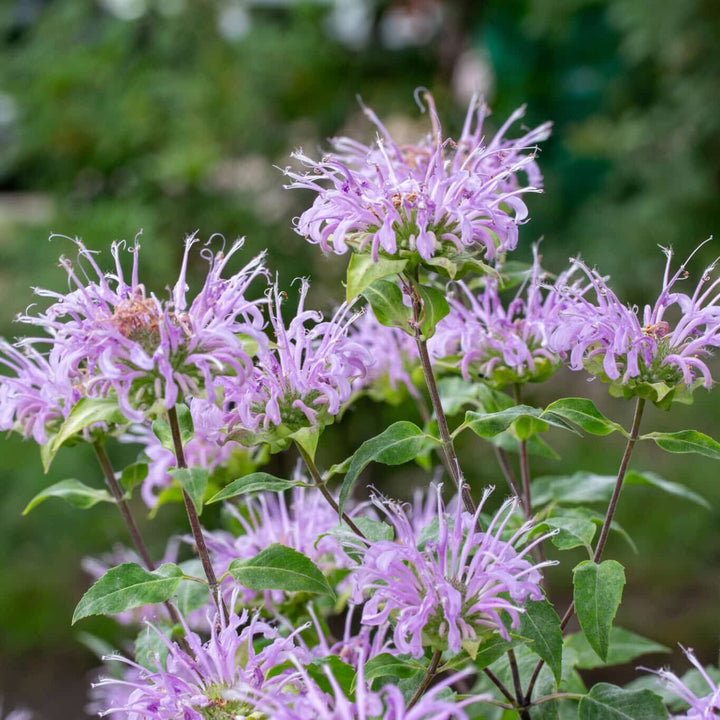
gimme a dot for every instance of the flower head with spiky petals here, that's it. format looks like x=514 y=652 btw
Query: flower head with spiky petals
x=706 y=707
x=126 y=340
x=303 y=375
x=440 y=197
x=453 y=590
x=40 y=393
x=313 y=703
x=216 y=680
x=505 y=343
x=654 y=354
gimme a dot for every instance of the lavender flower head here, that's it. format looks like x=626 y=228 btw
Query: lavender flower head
x=302 y=376
x=440 y=197
x=126 y=340
x=389 y=704
x=218 y=679
x=706 y=707
x=455 y=589
x=40 y=393
x=505 y=344
x=656 y=355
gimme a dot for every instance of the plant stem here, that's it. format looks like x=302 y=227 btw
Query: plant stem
x=524 y=462
x=507 y=471
x=495 y=680
x=319 y=483
x=519 y=697
x=429 y=675
x=604 y=532
x=127 y=516
x=200 y=545
x=452 y=463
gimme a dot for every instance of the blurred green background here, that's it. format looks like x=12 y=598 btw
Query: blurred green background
x=169 y=115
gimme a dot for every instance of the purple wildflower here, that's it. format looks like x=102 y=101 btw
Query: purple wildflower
x=303 y=377
x=438 y=197
x=220 y=676
x=315 y=704
x=125 y=339
x=453 y=590
x=510 y=344
x=41 y=392
x=611 y=340
x=706 y=707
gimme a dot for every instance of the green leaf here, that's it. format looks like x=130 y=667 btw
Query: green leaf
x=649 y=478
x=576 y=489
x=609 y=702
x=387 y=665
x=128 y=586
x=624 y=647
x=573 y=532
x=597 y=593
x=73 y=492
x=87 y=412
x=255 y=482
x=435 y=308
x=386 y=299
x=161 y=428
x=583 y=413
x=194 y=482
x=191 y=595
x=307 y=438
x=540 y=624
x=488 y=425
x=363 y=271
x=280 y=568
x=686 y=441
x=133 y=475
x=398 y=444
x=151 y=649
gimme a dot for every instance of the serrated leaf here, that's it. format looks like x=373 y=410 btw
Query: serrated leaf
x=435 y=308
x=86 y=412
x=363 y=271
x=624 y=647
x=72 y=492
x=387 y=665
x=128 y=586
x=255 y=482
x=573 y=531
x=541 y=624
x=597 y=594
x=398 y=444
x=583 y=413
x=194 y=482
x=609 y=702
x=280 y=568
x=386 y=300
x=686 y=441
x=488 y=425
x=649 y=478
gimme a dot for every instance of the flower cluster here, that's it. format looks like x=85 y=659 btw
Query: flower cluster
x=506 y=345
x=121 y=337
x=302 y=376
x=438 y=197
x=655 y=353
x=454 y=589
